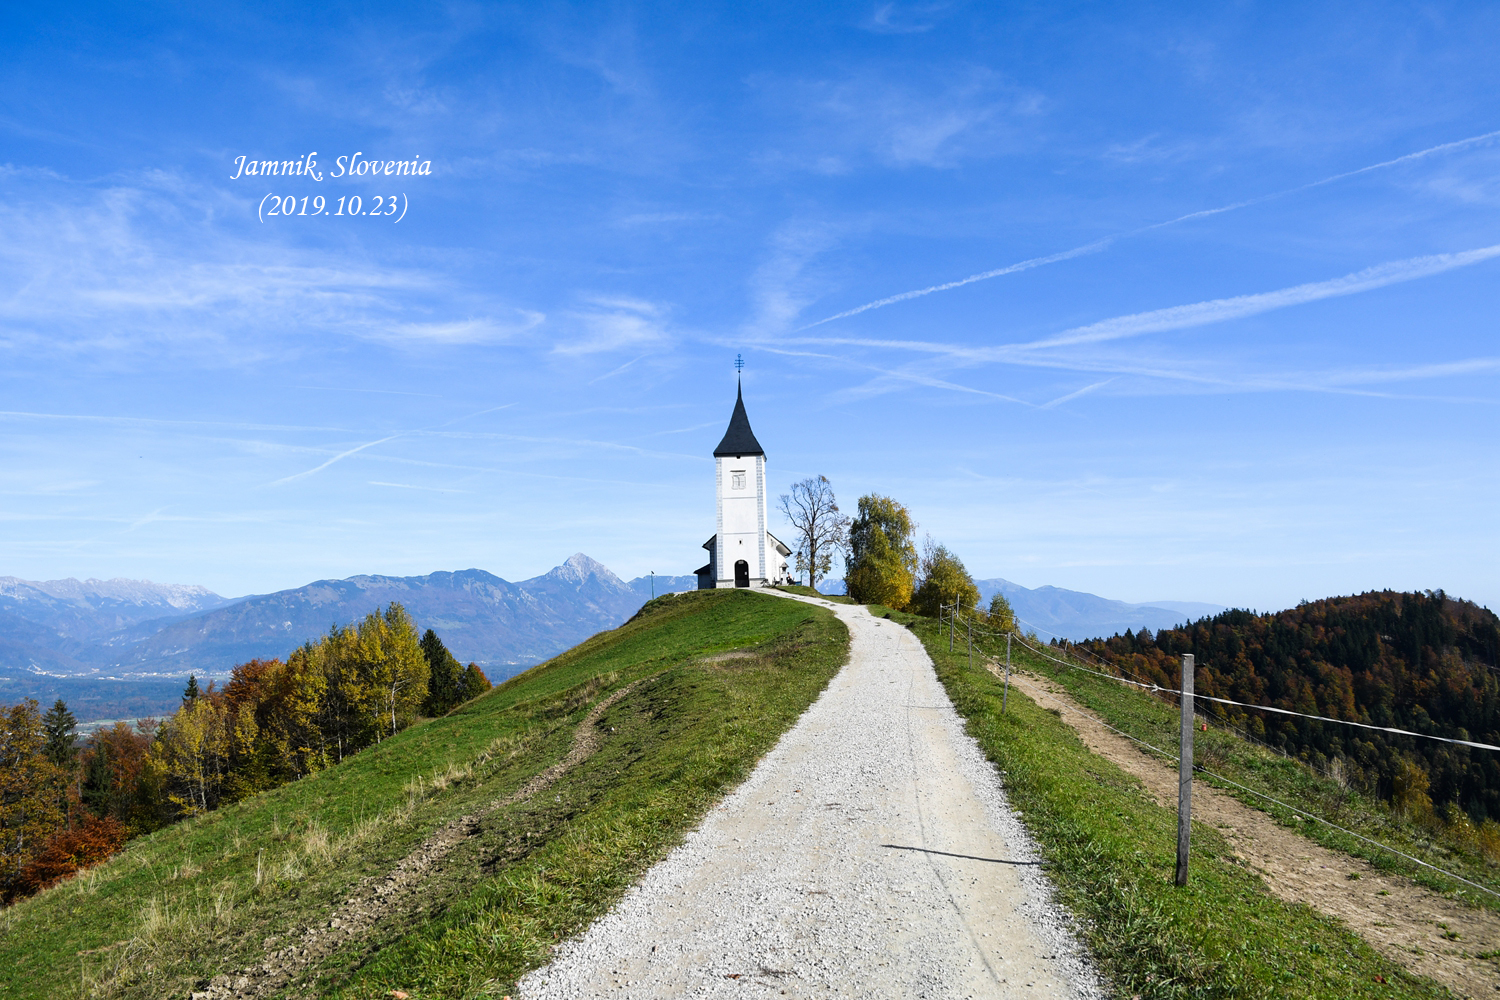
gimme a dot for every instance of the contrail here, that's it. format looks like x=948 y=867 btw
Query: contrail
x=335 y=458
x=1189 y=315
x=1099 y=245
x=1220 y=310
x=1024 y=265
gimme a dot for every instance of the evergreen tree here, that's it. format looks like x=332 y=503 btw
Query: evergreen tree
x=191 y=692
x=445 y=680
x=61 y=729
x=98 y=781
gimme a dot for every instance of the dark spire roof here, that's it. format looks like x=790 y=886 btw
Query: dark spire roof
x=739 y=439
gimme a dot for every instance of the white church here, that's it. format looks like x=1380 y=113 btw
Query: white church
x=742 y=553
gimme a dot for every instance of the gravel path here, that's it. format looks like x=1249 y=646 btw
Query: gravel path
x=870 y=854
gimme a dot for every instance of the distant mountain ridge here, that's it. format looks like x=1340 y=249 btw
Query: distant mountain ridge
x=482 y=618
x=107 y=643
x=136 y=629
x=1073 y=614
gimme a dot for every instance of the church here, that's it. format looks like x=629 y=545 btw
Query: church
x=742 y=553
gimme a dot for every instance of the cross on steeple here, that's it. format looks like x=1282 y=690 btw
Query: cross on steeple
x=739 y=363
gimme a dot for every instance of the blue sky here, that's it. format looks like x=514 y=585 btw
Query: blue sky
x=1237 y=342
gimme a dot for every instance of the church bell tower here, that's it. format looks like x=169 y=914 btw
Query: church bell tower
x=742 y=553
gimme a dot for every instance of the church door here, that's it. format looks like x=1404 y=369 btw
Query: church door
x=741 y=574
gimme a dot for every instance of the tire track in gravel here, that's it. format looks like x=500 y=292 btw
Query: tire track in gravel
x=1398 y=918
x=396 y=892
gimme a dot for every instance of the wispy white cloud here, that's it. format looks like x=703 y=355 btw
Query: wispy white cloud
x=780 y=286
x=147 y=264
x=465 y=331
x=935 y=118
x=612 y=323
x=1190 y=315
x=901 y=19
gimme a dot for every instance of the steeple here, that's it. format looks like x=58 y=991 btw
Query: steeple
x=739 y=439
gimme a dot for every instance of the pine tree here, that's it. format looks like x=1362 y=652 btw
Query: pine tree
x=61 y=729
x=191 y=692
x=445 y=676
x=98 y=781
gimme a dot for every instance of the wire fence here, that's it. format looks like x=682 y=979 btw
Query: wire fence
x=948 y=615
x=1156 y=688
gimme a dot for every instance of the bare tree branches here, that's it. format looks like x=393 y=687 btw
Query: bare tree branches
x=821 y=528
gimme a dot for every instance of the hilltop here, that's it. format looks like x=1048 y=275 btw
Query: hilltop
x=633 y=735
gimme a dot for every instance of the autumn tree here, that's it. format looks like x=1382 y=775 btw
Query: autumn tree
x=475 y=683
x=192 y=751
x=377 y=678
x=1002 y=618
x=29 y=804
x=944 y=582
x=821 y=529
x=881 y=563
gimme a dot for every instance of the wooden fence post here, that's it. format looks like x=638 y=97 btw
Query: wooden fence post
x=1185 y=771
x=1005 y=698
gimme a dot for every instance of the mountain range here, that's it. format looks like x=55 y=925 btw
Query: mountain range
x=121 y=648
x=1073 y=614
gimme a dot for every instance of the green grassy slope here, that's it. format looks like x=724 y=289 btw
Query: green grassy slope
x=204 y=897
x=1112 y=854
x=1298 y=785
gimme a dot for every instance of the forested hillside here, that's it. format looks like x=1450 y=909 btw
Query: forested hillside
x=64 y=808
x=1422 y=662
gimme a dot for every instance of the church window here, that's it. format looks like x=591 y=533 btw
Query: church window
x=737 y=479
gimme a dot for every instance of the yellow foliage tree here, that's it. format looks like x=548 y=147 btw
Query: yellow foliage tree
x=882 y=561
x=1002 y=618
x=29 y=781
x=192 y=750
x=944 y=581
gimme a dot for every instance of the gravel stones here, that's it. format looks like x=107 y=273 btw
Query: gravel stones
x=871 y=853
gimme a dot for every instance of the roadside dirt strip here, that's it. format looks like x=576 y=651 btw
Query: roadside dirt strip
x=1401 y=920
x=870 y=854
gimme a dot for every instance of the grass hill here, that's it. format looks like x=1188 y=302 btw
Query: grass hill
x=469 y=843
